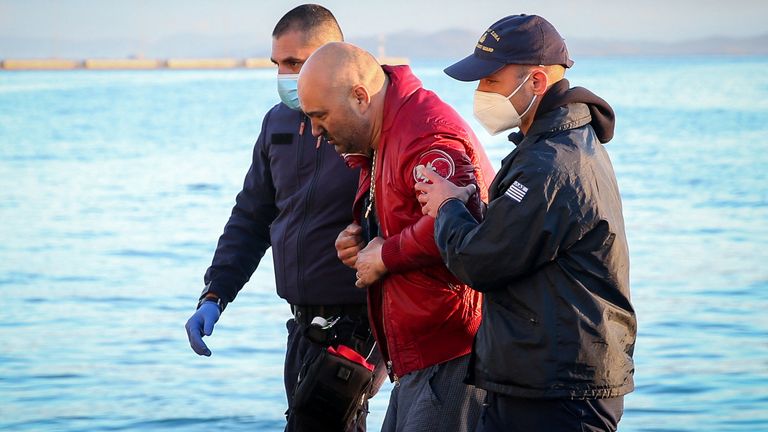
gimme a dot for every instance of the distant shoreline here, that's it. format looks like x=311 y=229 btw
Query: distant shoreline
x=150 y=64
x=228 y=63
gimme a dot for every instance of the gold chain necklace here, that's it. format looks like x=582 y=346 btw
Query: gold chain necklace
x=372 y=189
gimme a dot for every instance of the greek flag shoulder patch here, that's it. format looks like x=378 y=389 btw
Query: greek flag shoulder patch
x=517 y=191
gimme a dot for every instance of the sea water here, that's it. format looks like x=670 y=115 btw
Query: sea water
x=114 y=188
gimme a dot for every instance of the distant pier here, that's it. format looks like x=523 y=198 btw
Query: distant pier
x=149 y=64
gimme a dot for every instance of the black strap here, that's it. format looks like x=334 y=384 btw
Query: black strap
x=304 y=314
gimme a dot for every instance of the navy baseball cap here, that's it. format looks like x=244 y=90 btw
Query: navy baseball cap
x=516 y=39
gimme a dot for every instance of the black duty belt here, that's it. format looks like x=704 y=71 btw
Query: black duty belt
x=304 y=314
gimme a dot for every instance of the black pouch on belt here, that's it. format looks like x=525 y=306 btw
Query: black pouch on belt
x=332 y=389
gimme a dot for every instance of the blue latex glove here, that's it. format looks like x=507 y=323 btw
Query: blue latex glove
x=201 y=323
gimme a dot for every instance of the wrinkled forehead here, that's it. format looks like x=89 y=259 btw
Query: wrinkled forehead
x=317 y=102
x=314 y=93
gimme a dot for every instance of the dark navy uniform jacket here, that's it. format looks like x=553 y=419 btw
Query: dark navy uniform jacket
x=296 y=198
x=551 y=257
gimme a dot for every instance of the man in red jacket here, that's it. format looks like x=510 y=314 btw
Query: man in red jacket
x=423 y=317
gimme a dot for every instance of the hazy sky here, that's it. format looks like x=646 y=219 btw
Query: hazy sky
x=150 y=20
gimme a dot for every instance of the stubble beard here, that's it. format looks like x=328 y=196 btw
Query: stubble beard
x=355 y=140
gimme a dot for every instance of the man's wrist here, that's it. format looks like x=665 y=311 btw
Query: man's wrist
x=219 y=302
x=206 y=295
x=448 y=200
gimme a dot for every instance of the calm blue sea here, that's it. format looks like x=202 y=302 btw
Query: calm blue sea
x=114 y=188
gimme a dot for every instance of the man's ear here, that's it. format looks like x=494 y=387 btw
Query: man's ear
x=361 y=96
x=540 y=81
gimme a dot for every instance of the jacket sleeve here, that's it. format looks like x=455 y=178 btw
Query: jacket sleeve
x=526 y=226
x=246 y=234
x=414 y=246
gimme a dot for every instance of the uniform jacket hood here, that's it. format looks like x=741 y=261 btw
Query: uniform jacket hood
x=561 y=94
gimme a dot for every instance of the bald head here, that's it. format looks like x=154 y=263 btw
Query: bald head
x=340 y=66
x=341 y=88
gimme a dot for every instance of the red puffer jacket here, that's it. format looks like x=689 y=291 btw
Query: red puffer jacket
x=421 y=314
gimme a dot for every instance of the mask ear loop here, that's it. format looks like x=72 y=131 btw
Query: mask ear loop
x=532 y=100
x=529 y=106
x=520 y=86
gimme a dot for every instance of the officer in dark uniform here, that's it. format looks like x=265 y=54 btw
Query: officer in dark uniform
x=296 y=198
x=554 y=350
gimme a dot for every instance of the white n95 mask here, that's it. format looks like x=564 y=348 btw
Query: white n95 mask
x=287 y=88
x=496 y=113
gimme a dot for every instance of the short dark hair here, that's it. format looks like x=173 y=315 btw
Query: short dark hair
x=309 y=19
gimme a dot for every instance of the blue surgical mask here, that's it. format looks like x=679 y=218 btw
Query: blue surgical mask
x=288 y=91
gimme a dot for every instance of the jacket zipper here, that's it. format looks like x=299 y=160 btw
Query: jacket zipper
x=389 y=364
x=307 y=203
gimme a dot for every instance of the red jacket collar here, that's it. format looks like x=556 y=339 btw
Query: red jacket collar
x=402 y=84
